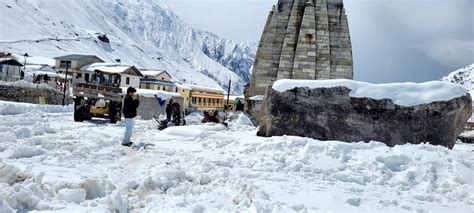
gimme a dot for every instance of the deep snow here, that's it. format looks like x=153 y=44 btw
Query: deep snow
x=49 y=163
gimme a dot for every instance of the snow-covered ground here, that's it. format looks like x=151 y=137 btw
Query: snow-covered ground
x=49 y=163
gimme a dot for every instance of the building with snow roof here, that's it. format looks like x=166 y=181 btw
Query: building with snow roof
x=157 y=80
x=10 y=68
x=75 y=62
x=204 y=98
x=40 y=73
x=109 y=74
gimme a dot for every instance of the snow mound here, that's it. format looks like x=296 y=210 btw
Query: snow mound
x=23 y=197
x=9 y=173
x=97 y=188
x=165 y=180
x=24 y=152
x=25 y=84
x=72 y=195
x=402 y=94
x=15 y=108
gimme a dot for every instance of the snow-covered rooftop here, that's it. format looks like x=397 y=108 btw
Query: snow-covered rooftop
x=183 y=86
x=403 y=94
x=39 y=60
x=152 y=73
x=112 y=68
x=234 y=97
x=153 y=93
x=204 y=88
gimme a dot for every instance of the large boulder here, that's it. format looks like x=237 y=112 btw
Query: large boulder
x=344 y=110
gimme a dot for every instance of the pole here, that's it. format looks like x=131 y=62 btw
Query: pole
x=228 y=94
x=24 y=66
x=65 y=85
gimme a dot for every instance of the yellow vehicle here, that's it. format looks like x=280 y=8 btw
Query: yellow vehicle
x=97 y=100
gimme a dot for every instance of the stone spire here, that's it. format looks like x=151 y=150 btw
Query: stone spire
x=303 y=39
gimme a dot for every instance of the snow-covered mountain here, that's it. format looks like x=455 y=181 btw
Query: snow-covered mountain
x=463 y=76
x=144 y=33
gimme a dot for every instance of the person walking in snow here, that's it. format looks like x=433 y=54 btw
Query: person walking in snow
x=129 y=112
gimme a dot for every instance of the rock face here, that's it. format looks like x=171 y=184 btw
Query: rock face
x=303 y=39
x=331 y=114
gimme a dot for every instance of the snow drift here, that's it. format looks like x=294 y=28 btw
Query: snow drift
x=82 y=167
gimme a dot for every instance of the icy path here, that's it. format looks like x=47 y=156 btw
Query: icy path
x=48 y=162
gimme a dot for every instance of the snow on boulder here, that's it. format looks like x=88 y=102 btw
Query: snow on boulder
x=352 y=111
x=72 y=195
x=402 y=94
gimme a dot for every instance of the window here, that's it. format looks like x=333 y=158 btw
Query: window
x=127 y=80
x=64 y=64
x=162 y=78
x=79 y=75
x=86 y=77
x=147 y=86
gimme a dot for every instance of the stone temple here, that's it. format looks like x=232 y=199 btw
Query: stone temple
x=303 y=39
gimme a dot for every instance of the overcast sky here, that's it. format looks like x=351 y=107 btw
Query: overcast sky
x=393 y=40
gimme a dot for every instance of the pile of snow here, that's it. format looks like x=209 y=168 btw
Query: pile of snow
x=14 y=108
x=25 y=84
x=81 y=167
x=72 y=195
x=9 y=173
x=402 y=94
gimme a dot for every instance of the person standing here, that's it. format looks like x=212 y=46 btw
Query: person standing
x=129 y=112
x=169 y=110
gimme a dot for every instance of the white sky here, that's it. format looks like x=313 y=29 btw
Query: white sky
x=393 y=40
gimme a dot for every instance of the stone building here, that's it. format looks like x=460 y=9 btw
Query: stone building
x=303 y=39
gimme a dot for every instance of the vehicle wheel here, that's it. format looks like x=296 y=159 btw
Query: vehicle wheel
x=77 y=102
x=79 y=114
x=114 y=112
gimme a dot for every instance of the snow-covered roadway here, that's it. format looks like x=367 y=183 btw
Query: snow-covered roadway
x=50 y=163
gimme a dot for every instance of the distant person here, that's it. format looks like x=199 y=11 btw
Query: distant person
x=213 y=117
x=240 y=106
x=129 y=112
x=169 y=110
x=176 y=113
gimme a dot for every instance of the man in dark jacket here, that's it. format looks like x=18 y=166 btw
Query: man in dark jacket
x=169 y=110
x=130 y=106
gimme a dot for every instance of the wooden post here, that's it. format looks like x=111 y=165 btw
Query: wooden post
x=228 y=95
x=65 y=85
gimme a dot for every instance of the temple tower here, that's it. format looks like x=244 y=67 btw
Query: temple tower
x=303 y=39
